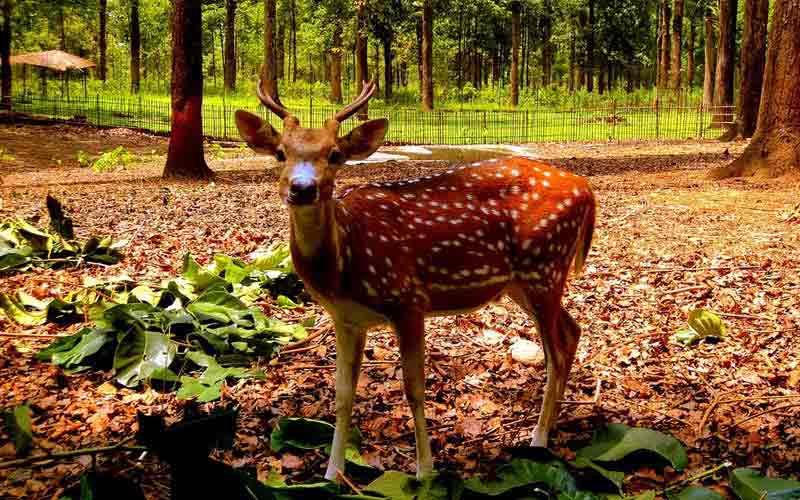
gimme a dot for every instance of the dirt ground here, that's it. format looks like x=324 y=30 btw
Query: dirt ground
x=667 y=240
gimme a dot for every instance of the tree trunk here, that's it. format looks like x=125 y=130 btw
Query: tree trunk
x=376 y=67
x=690 y=55
x=571 y=77
x=362 y=56
x=754 y=54
x=5 y=56
x=419 y=55
x=62 y=31
x=269 y=74
x=336 y=64
x=101 y=40
x=590 y=49
x=663 y=75
x=230 y=45
x=547 y=45
x=280 y=54
x=294 y=39
x=136 y=45
x=583 y=21
x=726 y=57
x=775 y=147
x=427 y=55
x=708 y=61
x=387 y=66
x=515 y=26
x=677 y=32
x=185 y=153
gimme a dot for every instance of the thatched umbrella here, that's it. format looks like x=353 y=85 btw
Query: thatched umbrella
x=55 y=60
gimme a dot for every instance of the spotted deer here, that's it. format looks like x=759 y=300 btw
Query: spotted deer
x=397 y=252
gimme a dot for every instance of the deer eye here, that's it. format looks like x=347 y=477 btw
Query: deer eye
x=280 y=155
x=335 y=157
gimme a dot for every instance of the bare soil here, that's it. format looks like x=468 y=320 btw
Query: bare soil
x=668 y=240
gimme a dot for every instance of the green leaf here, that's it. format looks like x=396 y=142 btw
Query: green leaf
x=702 y=324
x=17 y=312
x=748 y=484
x=617 y=441
x=140 y=354
x=221 y=307
x=89 y=344
x=286 y=303
x=398 y=486
x=15 y=258
x=524 y=472
x=201 y=278
x=696 y=493
x=614 y=477
x=18 y=424
x=192 y=388
x=301 y=433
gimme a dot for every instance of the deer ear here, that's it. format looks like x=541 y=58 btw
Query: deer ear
x=363 y=140
x=258 y=134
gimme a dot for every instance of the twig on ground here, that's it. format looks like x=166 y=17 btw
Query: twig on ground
x=699 y=475
x=685 y=289
x=32 y=335
x=293 y=348
x=771 y=410
x=69 y=454
x=347 y=481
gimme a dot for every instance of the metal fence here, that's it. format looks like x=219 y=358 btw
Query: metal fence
x=411 y=126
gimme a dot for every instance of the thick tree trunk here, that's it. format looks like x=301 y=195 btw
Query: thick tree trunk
x=269 y=73
x=376 y=68
x=754 y=54
x=726 y=57
x=571 y=77
x=387 y=66
x=515 y=9
x=294 y=39
x=775 y=148
x=136 y=45
x=419 y=55
x=709 y=61
x=427 y=55
x=547 y=45
x=677 y=33
x=185 y=155
x=5 y=55
x=590 y=49
x=690 y=55
x=362 y=56
x=62 y=29
x=280 y=54
x=581 y=76
x=664 y=60
x=102 y=40
x=230 y=45
x=336 y=64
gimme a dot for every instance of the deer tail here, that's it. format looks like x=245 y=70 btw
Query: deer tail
x=585 y=238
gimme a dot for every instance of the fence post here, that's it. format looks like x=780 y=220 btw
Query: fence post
x=97 y=107
x=658 y=104
x=613 y=118
x=441 y=127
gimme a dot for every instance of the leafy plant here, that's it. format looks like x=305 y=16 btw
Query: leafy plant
x=215 y=151
x=84 y=160
x=23 y=245
x=5 y=155
x=702 y=324
x=18 y=424
x=310 y=434
x=750 y=485
x=117 y=158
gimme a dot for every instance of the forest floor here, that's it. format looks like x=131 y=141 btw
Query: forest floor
x=668 y=240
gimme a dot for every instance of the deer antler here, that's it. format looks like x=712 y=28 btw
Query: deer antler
x=270 y=103
x=350 y=109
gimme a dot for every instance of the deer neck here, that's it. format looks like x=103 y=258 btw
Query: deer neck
x=315 y=245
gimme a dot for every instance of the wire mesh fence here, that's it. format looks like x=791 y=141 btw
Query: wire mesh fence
x=411 y=126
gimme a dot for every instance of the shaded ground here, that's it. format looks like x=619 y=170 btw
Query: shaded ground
x=667 y=241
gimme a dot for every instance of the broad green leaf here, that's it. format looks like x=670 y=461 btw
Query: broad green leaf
x=140 y=354
x=702 y=324
x=62 y=344
x=301 y=433
x=18 y=424
x=614 y=477
x=146 y=294
x=17 y=312
x=15 y=258
x=286 y=303
x=201 y=278
x=748 y=484
x=399 y=486
x=89 y=344
x=63 y=313
x=617 y=441
x=523 y=472
x=696 y=493
x=221 y=307
x=191 y=388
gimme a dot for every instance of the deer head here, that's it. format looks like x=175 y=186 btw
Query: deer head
x=311 y=156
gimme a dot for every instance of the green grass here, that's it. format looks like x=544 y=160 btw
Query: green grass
x=406 y=125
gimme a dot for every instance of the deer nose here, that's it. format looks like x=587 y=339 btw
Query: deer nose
x=302 y=191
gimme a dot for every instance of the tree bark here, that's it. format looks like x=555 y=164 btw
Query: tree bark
x=515 y=10
x=663 y=75
x=362 y=56
x=62 y=31
x=269 y=73
x=419 y=55
x=336 y=64
x=708 y=61
x=775 y=147
x=185 y=154
x=571 y=77
x=677 y=33
x=590 y=49
x=690 y=55
x=376 y=67
x=547 y=45
x=136 y=45
x=280 y=54
x=230 y=45
x=102 y=40
x=753 y=58
x=427 y=55
x=5 y=56
x=726 y=57
x=294 y=39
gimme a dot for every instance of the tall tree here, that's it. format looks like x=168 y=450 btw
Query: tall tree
x=293 y=21
x=269 y=73
x=426 y=46
x=546 y=26
x=515 y=28
x=336 y=63
x=5 y=55
x=663 y=72
x=726 y=56
x=362 y=56
x=590 y=48
x=677 y=32
x=102 y=39
x=775 y=147
x=708 y=60
x=690 y=54
x=185 y=154
x=136 y=45
x=754 y=54
x=229 y=71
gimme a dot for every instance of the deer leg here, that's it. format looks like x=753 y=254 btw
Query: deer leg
x=560 y=342
x=411 y=337
x=349 y=352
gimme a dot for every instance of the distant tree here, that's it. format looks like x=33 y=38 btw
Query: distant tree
x=229 y=71
x=664 y=57
x=690 y=53
x=269 y=73
x=426 y=47
x=5 y=55
x=677 y=32
x=515 y=32
x=102 y=41
x=136 y=46
x=590 y=39
x=775 y=147
x=185 y=154
x=708 y=60
x=754 y=54
x=726 y=57
x=362 y=62
x=336 y=63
